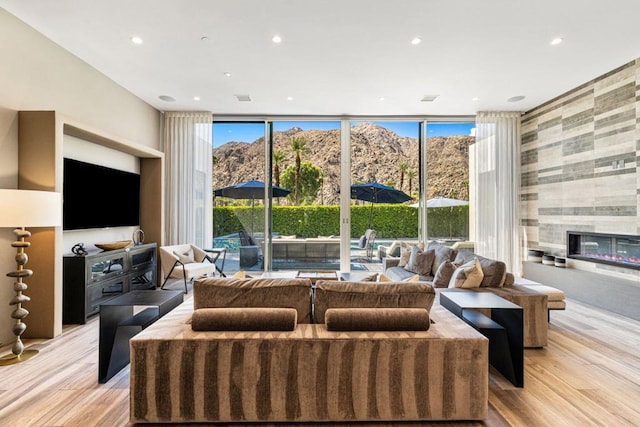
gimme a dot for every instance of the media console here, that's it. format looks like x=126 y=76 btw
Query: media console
x=95 y=278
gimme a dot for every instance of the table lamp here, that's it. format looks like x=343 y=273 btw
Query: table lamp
x=25 y=208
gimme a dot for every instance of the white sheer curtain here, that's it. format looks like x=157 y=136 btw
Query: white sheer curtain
x=496 y=172
x=188 y=178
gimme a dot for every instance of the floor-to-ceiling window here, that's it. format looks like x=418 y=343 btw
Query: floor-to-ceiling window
x=385 y=184
x=238 y=173
x=305 y=160
x=447 y=179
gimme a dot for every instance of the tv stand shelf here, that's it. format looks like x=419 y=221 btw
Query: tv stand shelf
x=95 y=278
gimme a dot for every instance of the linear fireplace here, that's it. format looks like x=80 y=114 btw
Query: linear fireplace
x=613 y=249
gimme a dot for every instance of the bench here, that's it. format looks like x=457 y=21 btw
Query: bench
x=555 y=297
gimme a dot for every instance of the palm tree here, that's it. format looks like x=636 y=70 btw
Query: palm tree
x=411 y=174
x=299 y=146
x=402 y=167
x=279 y=157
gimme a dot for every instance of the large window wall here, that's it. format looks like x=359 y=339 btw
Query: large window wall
x=310 y=220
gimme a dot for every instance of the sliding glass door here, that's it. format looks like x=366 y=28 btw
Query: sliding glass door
x=307 y=221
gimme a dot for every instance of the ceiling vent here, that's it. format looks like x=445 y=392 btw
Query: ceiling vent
x=243 y=98
x=429 y=98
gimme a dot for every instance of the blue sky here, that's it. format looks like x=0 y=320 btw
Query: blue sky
x=249 y=132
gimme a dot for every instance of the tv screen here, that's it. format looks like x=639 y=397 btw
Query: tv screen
x=98 y=197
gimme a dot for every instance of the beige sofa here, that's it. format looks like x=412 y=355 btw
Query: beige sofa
x=310 y=372
x=497 y=280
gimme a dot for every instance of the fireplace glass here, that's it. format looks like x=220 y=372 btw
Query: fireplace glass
x=613 y=249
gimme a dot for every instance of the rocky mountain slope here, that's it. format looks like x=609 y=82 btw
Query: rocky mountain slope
x=376 y=153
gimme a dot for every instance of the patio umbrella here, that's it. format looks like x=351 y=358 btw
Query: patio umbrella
x=445 y=202
x=375 y=192
x=250 y=190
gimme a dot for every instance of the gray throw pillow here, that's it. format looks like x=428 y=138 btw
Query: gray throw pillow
x=443 y=274
x=420 y=262
x=442 y=254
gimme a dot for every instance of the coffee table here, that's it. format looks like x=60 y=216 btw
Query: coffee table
x=504 y=328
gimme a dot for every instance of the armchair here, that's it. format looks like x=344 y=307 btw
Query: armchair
x=186 y=261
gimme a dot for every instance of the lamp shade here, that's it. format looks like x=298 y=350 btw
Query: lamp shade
x=30 y=208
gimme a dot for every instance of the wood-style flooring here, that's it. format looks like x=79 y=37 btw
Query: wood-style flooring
x=588 y=375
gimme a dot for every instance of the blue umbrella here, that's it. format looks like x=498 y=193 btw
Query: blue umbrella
x=250 y=190
x=375 y=192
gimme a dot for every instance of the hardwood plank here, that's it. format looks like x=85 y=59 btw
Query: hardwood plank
x=588 y=374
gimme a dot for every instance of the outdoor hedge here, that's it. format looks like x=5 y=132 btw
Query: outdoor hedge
x=389 y=220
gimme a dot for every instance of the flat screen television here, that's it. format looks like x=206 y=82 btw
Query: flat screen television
x=97 y=196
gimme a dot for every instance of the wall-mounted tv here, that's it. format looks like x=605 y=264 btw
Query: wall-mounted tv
x=97 y=196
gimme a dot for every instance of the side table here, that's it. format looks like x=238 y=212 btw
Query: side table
x=118 y=324
x=504 y=329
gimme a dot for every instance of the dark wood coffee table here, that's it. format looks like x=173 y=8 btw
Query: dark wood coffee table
x=504 y=328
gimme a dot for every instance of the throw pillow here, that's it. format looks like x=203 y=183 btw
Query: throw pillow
x=420 y=262
x=414 y=278
x=371 y=278
x=406 y=253
x=443 y=274
x=185 y=258
x=396 y=247
x=467 y=276
x=443 y=253
x=384 y=278
x=239 y=275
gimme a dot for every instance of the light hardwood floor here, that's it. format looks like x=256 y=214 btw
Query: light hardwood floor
x=589 y=374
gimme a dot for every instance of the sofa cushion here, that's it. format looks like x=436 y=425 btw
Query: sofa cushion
x=377 y=319
x=244 y=319
x=218 y=292
x=399 y=274
x=334 y=294
x=420 y=262
x=467 y=276
x=443 y=274
x=495 y=272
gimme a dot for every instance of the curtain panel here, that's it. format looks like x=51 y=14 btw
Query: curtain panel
x=497 y=188
x=188 y=178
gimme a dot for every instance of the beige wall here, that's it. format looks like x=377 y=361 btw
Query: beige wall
x=36 y=74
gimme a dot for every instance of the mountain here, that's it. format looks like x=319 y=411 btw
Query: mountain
x=376 y=153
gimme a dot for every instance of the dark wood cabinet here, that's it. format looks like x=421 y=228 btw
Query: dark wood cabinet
x=93 y=279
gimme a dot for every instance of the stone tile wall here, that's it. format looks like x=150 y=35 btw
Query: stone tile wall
x=579 y=161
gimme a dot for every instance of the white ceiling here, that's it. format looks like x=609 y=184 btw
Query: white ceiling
x=339 y=57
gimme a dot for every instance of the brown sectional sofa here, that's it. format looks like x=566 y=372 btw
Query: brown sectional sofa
x=309 y=373
x=496 y=280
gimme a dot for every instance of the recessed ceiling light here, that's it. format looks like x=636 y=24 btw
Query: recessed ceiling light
x=204 y=39
x=429 y=98
x=556 y=41
x=381 y=98
x=276 y=39
x=289 y=98
x=415 y=40
x=136 y=40
x=475 y=98
x=516 y=98
x=196 y=98
x=243 y=98
x=227 y=74
x=167 y=98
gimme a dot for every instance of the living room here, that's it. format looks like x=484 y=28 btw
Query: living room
x=38 y=75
